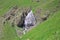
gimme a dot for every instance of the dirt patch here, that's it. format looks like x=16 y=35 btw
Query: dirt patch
x=40 y=17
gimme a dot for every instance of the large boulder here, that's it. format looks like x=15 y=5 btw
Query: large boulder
x=30 y=20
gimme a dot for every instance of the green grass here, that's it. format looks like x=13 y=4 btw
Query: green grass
x=9 y=33
x=48 y=30
x=5 y=5
x=44 y=31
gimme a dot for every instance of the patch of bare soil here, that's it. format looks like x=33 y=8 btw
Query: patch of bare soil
x=41 y=17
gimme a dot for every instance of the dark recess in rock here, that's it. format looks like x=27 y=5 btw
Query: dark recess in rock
x=8 y=18
x=37 y=0
x=44 y=18
x=4 y=22
x=21 y=22
x=12 y=14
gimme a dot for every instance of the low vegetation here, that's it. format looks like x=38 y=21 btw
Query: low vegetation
x=47 y=30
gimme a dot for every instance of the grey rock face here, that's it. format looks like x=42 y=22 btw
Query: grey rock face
x=30 y=19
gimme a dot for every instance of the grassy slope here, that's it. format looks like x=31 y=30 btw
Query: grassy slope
x=46 y=30
x=50 y=29
x=9 y=32
x=5 y=5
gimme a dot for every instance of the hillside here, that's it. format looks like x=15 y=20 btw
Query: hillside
x=47 y=30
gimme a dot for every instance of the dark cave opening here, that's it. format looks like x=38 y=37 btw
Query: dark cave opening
x=27 y=20
x=21 y=22
x=21 y=25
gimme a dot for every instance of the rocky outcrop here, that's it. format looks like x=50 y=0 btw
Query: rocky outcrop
x=24 y=18
x=30 y=19
x=16 y=16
